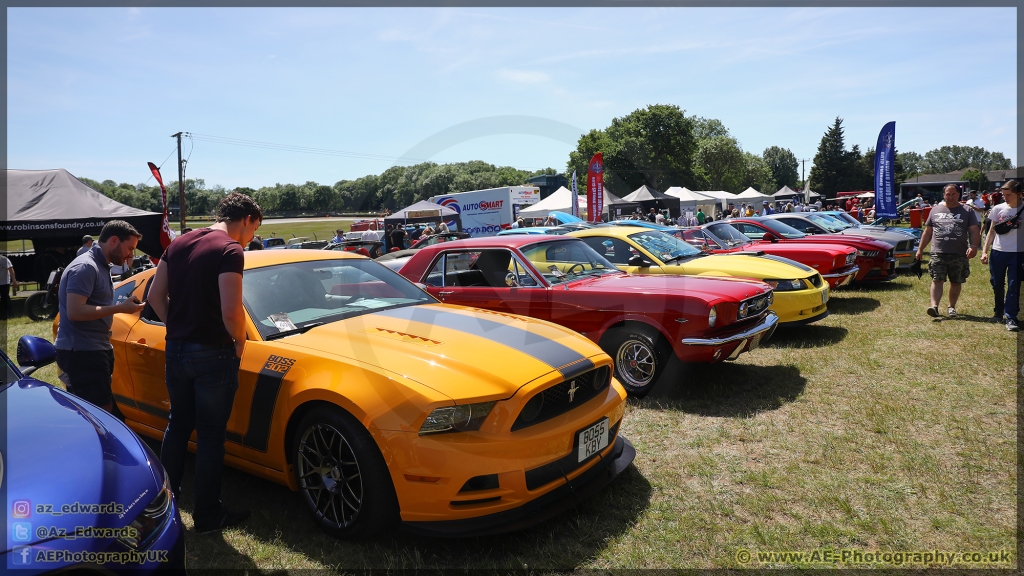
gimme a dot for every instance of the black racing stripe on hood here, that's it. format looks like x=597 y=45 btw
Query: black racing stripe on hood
x=784 y=260
x=550 y=352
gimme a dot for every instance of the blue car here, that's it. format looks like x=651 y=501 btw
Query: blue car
x=83 y=491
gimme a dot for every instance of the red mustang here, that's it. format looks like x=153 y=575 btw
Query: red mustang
x=637 y=320
x=875 y=258
x=834 y=262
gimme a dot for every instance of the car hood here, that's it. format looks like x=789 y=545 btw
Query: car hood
x=798 y=249
x=62 y=450
x=893 y=238
x=742 y=265
x=706 y=288
x=463 y=353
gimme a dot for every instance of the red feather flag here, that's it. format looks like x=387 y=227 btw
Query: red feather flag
x=166 y=234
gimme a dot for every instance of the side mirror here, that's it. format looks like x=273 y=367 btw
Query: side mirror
x=638 y=261
x=769 y=238
x=34 y=353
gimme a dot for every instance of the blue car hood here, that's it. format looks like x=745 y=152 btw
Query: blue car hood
x=63 y=451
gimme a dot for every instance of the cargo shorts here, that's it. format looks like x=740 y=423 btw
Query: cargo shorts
x=954 y=266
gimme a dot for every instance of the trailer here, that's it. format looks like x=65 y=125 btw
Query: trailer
x=487 y=212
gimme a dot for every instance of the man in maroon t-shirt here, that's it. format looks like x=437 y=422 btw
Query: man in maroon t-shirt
x=197 y=292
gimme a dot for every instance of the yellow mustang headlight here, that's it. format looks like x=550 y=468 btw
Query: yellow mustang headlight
x=784 y=285
x=456 y=418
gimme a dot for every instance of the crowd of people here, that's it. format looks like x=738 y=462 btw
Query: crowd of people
x=197 y=293
x=954 y=228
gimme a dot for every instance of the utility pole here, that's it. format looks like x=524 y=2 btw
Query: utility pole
x=181 y=182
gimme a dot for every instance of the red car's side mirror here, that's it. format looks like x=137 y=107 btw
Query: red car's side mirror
x=769 y=238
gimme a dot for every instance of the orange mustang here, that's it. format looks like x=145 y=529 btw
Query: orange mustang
x=379 y=404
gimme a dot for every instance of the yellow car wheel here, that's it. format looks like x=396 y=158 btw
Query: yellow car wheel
x=640 y=355
x=342 y=476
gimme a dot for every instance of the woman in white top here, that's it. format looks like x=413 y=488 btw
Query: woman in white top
x=1006 y=261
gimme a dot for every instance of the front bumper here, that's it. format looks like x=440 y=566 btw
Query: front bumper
x=904 y=259
x=543 y=508
x=842 y=278
x=882 y=270
x=729 y=346
x=799 y=306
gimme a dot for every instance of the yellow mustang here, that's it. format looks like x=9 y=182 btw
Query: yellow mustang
x=379 y=404
x=801 y=293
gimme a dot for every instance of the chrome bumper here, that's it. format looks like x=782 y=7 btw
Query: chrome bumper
x=767 y=324
x=850 y=272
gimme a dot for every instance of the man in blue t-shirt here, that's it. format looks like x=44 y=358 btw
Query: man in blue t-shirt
x=86 y=301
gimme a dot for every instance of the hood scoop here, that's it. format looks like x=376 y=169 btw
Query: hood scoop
x=405 y=337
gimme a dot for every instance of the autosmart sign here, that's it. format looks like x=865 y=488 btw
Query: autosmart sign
x=484 y=206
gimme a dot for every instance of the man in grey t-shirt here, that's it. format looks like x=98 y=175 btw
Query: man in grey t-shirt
x=956 y=232
x=86 y=301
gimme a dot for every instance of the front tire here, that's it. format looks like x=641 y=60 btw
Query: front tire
x=640 y=355
x=342 y=477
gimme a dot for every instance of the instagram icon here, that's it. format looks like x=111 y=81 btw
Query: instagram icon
x=21 y=509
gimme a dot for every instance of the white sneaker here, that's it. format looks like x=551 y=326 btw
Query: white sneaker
x=951 y=312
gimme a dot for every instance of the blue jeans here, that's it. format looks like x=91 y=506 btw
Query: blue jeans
x=1006 y=266
x=201 y=385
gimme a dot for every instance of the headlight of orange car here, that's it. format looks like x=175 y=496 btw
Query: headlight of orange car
x=461 y=418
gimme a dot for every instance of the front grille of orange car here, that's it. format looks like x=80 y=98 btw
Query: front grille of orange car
x=564 y=466
x=562 y=397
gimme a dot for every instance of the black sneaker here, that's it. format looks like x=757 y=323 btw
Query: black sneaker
x=227 y=520
x=997 y=319
x=1011 y=325
x=933 y=311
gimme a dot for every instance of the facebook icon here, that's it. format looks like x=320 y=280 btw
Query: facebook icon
x=22 y=555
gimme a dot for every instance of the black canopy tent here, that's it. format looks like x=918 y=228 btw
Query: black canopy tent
x=54 y=210
x=423 y=211
x=649 y=198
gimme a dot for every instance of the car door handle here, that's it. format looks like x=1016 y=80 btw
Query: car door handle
x=139 y=345
x=444 y=293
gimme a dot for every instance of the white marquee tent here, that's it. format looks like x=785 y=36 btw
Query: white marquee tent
x=751 y=194
x=690 y=199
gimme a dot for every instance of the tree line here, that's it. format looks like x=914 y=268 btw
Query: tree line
x=658 y=146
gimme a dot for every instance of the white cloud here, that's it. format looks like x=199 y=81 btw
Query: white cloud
x=523 y=76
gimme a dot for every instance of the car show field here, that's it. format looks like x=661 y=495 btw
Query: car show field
x=875 y=428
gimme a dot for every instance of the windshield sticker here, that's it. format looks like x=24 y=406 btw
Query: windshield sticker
x=282 y=321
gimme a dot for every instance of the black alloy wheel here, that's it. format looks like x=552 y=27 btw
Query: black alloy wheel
x=342 y=476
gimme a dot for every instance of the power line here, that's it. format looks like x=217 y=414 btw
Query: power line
x=161 y=165
x=300 y=149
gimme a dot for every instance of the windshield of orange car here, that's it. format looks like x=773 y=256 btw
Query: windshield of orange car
x=664 y=246
x=729 y=235
x=290 y=297
x=567 y=260
x=781 y=228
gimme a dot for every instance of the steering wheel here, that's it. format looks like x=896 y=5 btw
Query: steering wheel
x=573 y=267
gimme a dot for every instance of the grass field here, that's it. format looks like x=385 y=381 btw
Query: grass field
x=875 y=429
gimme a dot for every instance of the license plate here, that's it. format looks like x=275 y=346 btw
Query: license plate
x=592 y=440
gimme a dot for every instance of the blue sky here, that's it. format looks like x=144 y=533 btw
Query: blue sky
x=99 y=91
